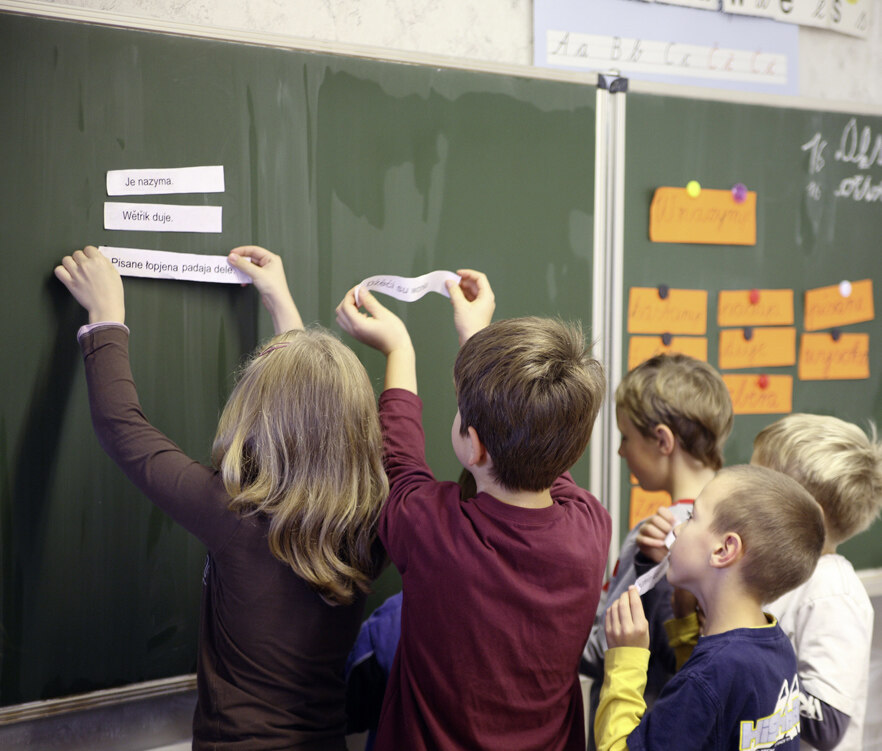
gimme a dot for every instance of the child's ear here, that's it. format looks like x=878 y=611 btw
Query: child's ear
x=664 y=437
x=477 y=451
x=728 y=549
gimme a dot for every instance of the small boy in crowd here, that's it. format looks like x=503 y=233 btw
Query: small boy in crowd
x=500 y=589
x=674 y=414
x=753 y=535
x=829 y=619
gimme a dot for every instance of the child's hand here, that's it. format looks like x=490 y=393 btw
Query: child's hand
x=379 y=327
x=625 y=622
x=473 y=303
x=95 y=283
x=652 y=534
x=268 y=273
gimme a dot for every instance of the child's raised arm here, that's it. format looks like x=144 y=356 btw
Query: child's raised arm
x=473 y=303
x=95 y=284
x=381 y=329
x=268 y=274
x=621 y=703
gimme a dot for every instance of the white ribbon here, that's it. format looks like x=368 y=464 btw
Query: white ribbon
x=652 y=577
x=408 y=289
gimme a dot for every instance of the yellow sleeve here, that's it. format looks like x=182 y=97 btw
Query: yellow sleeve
x=683 y=636
x=621 y=697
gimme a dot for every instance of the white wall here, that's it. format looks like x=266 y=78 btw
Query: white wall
x=831 y=66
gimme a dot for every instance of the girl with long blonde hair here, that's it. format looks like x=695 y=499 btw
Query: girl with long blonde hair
x=288 y=512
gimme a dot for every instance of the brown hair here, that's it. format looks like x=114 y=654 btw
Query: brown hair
x=780 y=525
x=299 y=441
x=531 y=391
x=685 y=394
x=839 y=464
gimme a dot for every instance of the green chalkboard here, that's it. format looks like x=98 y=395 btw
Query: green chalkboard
x=347 y=167
x=807 y=235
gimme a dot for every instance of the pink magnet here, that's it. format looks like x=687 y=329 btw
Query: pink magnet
x=739 y=192
x=763 y=381
x=754 y=296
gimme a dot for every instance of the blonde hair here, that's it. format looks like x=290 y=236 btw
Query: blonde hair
x=686 y=395
x=780 y=525
x=299 y=441
x=839 y=464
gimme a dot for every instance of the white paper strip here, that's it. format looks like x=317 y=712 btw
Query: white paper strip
x=652 y=577
x=134 y=182
x=408 y=288
x=161 y=264
x=162 y=217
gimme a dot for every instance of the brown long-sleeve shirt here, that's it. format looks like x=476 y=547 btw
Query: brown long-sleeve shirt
x=271 y=652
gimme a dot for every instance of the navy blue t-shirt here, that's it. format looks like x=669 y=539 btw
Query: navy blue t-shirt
x=737 y=691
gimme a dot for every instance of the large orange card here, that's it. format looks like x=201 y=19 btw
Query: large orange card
x=712 y=217
x=756 y=307
x=822 y=358
x=766 y=348
x=641 y=348
x=760 y=394
x=683 y=311
x=644 y=503
x=826 y=307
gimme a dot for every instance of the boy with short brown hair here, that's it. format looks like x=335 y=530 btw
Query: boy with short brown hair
x=739 y=688
x=499 y=589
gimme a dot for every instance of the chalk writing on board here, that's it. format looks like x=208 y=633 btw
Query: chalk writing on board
x=858 y=146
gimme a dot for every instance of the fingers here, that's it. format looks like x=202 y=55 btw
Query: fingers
x=371 y=304
x=474 y=284
x=258 y=255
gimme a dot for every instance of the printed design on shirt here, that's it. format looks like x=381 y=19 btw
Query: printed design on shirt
x=777 y=728
x=811 y=708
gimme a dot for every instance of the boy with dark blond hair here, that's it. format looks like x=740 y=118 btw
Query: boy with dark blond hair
x=829 y=618
x=499 y=589
x=674 y=414
x=753 y=535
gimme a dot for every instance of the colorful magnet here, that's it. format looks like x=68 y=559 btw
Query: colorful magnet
x=739 y=192
x=845 y=288
x=754 y=296
x=835 y=333
x=693 y=188
x=667 y=339
x=663 y=291
x=763 y=381
x=748 y=333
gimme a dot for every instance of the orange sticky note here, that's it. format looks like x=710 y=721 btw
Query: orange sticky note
x=644 y=503
x=712 y=217
x=683 y=311
x=760 y=394
x=821 y=358
x=767 y=348
x=641 y=348
x=773 y=307
x=825 y=307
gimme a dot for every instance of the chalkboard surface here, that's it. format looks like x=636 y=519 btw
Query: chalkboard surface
x=347 y=167
x=807 y=235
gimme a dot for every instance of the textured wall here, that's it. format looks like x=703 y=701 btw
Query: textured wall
x=831 y=66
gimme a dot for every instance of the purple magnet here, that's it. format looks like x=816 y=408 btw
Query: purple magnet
x=739 y=192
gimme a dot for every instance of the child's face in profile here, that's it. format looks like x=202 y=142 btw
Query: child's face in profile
x=640 y=452
x=694 y=540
